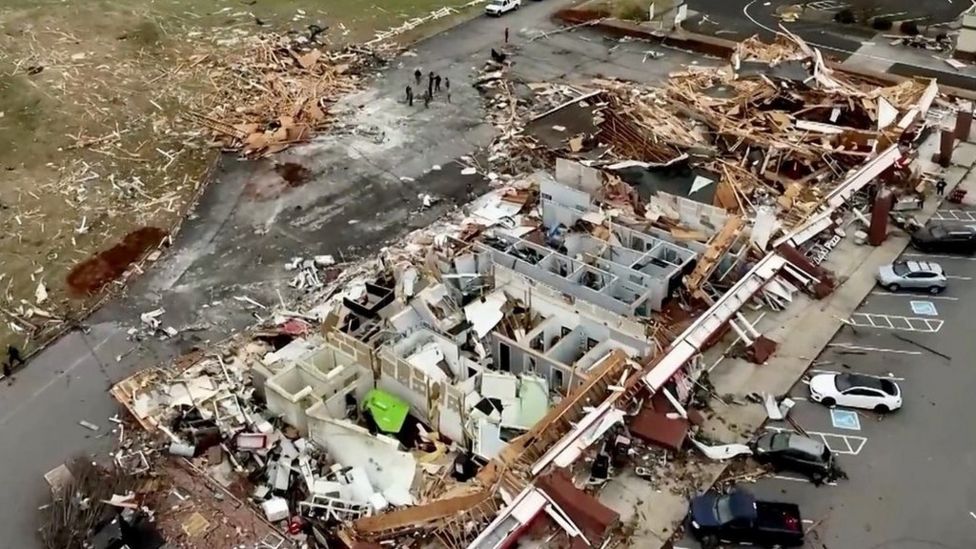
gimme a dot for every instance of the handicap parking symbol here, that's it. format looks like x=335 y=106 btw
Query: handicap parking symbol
x=925 y=308
x=845 y=419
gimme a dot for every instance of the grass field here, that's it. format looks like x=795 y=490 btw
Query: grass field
x=94 y=147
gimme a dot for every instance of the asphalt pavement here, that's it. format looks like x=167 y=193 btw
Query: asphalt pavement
x=362 y=192
x=910 y=484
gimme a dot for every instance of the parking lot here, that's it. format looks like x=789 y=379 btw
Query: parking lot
x=910 y=480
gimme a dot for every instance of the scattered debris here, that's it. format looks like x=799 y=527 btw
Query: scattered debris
x=551 y=330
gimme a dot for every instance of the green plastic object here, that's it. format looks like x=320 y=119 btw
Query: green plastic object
x=389 y=412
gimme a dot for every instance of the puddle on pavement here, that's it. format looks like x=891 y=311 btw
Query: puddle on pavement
x=91 y=275
x=267 y=186
x=295 y=175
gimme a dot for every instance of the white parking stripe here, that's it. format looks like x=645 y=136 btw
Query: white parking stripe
x=873 y=349
x=818 y=371
x=943 y=256
x=799 y=479
x=827 y=5
x=916 y=296
x=842 y=444
x=896 y=322
x=959 y=277
x=954 y=215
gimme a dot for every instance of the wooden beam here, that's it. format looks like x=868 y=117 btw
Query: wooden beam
x=708 y=261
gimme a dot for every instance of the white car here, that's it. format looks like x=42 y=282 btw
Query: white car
x=500 y=7
x=855 y=391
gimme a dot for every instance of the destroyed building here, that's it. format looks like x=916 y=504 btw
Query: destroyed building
x=451 y=389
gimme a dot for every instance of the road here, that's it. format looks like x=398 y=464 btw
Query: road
x=910 y=485
x=362 y=193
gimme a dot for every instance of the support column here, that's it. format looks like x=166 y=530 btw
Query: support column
x=759 y=347
x=740 y=332
x=878 y=229
x=749 y=328
x=945 y=147
x=964 y=122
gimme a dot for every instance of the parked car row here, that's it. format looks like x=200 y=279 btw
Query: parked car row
x=737 y=516
x=945 y=237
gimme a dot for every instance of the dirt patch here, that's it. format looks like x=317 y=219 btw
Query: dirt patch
x=269 y=184
x=96 y=144
x=91 y=275
x=295 y=175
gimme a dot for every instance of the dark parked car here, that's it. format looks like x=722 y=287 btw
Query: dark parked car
x=738 y=517
x=794 y=452
x=945 y=237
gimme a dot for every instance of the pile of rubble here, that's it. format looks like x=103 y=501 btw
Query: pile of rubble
x=503 y=363
x=279 y=90
x=941 y=43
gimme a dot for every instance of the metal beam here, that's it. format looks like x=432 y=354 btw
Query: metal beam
x=691 y=341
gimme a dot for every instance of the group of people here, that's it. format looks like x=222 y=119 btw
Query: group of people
x=434 y=82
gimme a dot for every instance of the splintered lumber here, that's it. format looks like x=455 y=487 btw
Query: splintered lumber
x=717 y=247
x=525 y=449
x=420 y=517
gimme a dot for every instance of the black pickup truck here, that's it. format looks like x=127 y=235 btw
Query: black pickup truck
x=738 y=517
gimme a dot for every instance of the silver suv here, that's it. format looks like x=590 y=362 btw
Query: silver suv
x=914 y=275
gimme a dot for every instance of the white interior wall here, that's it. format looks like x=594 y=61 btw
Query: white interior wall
x=549 y=302
x=292 y=390
x=390 y=471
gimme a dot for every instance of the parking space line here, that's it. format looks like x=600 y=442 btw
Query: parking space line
x=842 y=444
x=915 y=296
x=953 y=277
x=943 y=256
x=827 y=5
x=873 y=349
x=954 y=215
x=896 y=322
x=818 y=371
x=799 y=479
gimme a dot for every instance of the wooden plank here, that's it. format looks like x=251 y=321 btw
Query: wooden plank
x=717 y=247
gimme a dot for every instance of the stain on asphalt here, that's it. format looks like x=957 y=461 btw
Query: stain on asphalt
x=267 y=184
x=91 y=275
